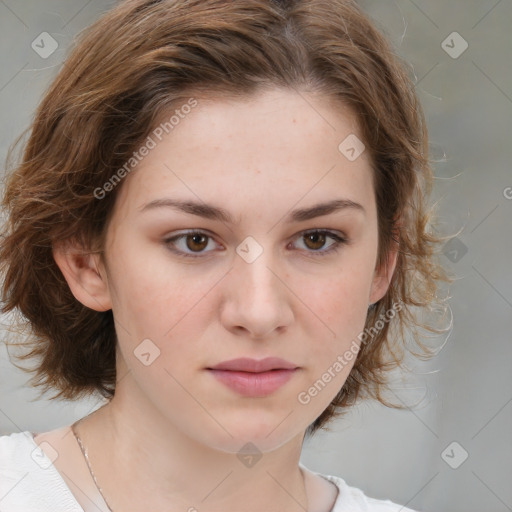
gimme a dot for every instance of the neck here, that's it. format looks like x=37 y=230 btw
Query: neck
x=132 y=446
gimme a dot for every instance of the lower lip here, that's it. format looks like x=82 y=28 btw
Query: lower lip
x=254 y=384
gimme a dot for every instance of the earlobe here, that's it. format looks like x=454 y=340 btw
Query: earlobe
x=83 y=275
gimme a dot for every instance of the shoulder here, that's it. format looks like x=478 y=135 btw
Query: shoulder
x=28 y=479
x=353 y=499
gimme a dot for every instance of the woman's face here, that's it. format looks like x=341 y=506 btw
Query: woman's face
x=252 y=284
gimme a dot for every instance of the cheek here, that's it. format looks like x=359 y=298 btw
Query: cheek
x=342 y=311
x=338 y=304
x=340 y=307
x=155 y=304
x=145 y=287
x=160 y=301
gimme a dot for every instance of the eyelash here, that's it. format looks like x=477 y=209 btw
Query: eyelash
x=339 y=240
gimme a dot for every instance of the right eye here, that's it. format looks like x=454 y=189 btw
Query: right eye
x=194 y=241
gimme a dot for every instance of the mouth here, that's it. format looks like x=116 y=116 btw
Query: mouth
x=246 y=364
x=253 y=378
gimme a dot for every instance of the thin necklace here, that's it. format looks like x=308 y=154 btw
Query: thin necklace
x=84 y=451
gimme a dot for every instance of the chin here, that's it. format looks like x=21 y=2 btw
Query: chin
x=265 y=436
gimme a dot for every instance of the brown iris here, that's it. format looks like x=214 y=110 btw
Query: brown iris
x=199 y=241
x=315 y=238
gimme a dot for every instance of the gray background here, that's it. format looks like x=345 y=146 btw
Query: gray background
x=466 y=391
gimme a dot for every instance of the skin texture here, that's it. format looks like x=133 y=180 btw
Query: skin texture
x=170 y=436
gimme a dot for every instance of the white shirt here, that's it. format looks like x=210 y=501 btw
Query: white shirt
x=29 y=482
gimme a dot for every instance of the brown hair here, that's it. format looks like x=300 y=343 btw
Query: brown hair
x=141 y=59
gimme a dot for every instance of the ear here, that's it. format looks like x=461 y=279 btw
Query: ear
x=384 y=273
x=85 y=275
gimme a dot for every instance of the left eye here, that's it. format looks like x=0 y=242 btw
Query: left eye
x=318 y=238
x=197 y=241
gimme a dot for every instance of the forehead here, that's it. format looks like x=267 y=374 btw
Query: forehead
x=272 y=148
x=277 y=120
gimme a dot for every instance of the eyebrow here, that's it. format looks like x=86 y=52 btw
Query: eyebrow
x=209 y=211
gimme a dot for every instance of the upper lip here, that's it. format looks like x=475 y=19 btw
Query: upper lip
x=245 y=364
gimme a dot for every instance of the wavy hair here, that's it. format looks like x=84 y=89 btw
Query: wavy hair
x=143 y=58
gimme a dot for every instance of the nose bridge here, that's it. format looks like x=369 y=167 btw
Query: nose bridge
x=257 y=297
x=253 y=269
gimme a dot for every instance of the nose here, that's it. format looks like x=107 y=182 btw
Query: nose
x=256 y=300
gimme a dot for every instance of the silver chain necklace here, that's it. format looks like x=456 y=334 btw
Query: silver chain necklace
x=84 y=451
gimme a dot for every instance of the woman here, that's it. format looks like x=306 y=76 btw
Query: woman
x=219 y=225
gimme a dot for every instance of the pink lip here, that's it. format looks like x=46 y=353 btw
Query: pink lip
x=250 y=377
x=245 y=364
